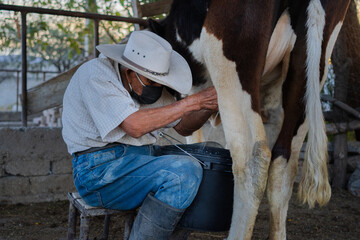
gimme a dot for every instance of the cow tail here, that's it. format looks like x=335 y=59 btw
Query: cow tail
x=314 y=184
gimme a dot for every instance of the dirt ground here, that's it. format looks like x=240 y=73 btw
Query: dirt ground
x=340 y=219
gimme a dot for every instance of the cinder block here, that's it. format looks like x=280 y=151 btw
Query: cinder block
x=29 y=152
x=14 y=185
x=63 y=166
x=51 y=184
x=28 y=167
x=35 y=142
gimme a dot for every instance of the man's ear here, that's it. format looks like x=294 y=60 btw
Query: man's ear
x=129 y=73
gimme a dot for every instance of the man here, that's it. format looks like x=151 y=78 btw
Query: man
x=114 y=109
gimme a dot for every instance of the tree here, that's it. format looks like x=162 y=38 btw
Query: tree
x=61 y=40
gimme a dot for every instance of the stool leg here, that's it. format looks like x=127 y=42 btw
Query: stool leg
x=72 y=222
x=129 y=220
x=84 y=227
x=106 y=227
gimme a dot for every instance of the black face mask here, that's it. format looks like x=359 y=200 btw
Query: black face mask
x=149 y=95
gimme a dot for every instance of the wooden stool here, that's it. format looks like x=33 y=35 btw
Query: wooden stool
x=77 y=204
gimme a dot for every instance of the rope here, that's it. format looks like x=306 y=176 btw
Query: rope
x=164 y=135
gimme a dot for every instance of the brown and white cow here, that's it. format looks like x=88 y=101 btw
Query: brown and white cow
x=268 y=61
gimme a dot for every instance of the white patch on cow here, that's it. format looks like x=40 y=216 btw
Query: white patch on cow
x=195 y=49
x=282 y=175
x=314 y=186
x=245 y=136
x=178 y=38
x=282 y=39
x=232 y=99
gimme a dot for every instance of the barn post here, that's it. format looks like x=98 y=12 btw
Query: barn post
x=341 y=64
x=96 y=37
x=23 y=69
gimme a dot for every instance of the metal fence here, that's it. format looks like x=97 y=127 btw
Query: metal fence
x=18 y=79
x=24 y=10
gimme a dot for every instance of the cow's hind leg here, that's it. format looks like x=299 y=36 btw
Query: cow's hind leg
x=283 y=168
x=286 y=149
x=282 y=175
x=245 y=136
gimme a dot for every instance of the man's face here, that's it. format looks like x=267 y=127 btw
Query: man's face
x=141 y=88
x=138 y=85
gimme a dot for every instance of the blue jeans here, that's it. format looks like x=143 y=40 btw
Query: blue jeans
x=120 y=177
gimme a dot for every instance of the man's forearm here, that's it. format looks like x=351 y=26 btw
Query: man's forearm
x=148 y=120
x=194 y=110
x=192 y=121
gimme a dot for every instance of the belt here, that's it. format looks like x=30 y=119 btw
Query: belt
x=95 y=149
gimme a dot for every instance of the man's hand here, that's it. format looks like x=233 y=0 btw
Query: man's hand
x=207 y=104
x=205 y=99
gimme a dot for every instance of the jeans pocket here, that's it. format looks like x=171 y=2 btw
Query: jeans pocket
x=99 y=161
x=101 y=157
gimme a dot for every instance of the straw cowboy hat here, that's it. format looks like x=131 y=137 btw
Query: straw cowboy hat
x=152 y=56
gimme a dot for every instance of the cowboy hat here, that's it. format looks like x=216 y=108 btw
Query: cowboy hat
x=151 y=56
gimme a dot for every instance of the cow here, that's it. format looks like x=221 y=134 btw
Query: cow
x=268 y=61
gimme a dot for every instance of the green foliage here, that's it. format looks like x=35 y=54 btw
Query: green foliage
x=62 y=40
x=350 y=136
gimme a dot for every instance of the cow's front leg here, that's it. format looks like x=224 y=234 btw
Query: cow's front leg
x=245 y=136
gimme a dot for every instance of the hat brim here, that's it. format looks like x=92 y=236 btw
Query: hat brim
x=179 y=77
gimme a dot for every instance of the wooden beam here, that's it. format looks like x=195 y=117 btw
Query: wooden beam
x=341 y=105
x=336 y=128
x=10 y=116
x=353 y=162
x=332 y=116
x=155 y=8
x=50 y=93
x=353 y=147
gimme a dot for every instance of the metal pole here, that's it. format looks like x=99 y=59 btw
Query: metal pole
x=17 y=90
x=23 y=69
x=96 y=37
x=18 y=8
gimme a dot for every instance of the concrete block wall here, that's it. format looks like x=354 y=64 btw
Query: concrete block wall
x=34 y=165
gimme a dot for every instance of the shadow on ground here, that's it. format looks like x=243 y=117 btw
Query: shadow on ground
x=339 y=220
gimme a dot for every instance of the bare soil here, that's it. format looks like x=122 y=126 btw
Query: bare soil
x=340 y=219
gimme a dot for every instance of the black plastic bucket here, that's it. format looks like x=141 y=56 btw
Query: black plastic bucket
x=212 y=207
